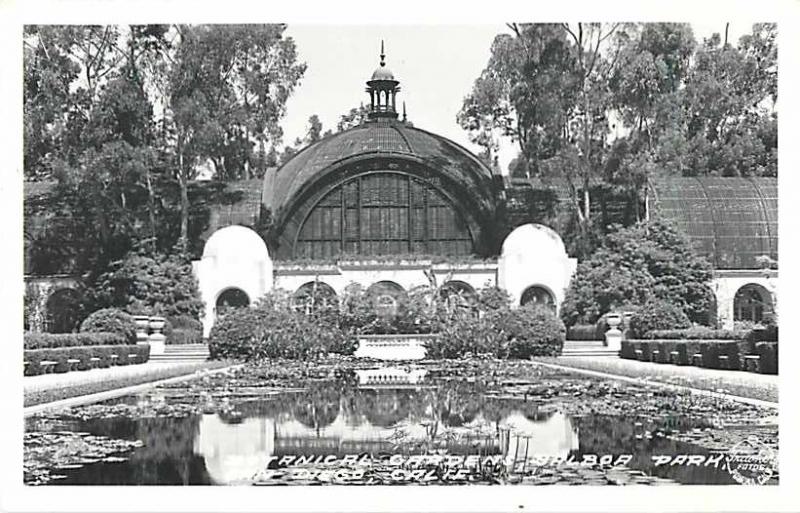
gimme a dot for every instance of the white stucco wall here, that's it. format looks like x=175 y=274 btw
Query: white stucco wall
x=233 y=257
x=534 y=255
x=406 y=274
x=726 y=283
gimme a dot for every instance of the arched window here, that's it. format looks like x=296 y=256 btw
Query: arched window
x=313 y=296
x=751 y=303
x=231 y=298
x=63 y=311
x=538 y=296
x=386 y=297
x=383 y=213
x=458 y=293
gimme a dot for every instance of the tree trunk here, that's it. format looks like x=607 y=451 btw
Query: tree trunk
x=586 y=203
x=151 y=211
x=182 y=180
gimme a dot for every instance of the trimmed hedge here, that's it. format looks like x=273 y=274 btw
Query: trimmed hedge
x=768 y=334
x=711 y=351
x=589 y=332
x=125 y=355
x=768 y=353
x=111 y=320
x=697 y=333
x=55 y=340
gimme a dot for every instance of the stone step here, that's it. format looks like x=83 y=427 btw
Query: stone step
x=168 y=358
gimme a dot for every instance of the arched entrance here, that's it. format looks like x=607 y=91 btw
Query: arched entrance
x=752 y=303
x=386 y=297
x=538 y=295
x=458 y=293
x=313 y=296
x=63 y=311
x=230 y=299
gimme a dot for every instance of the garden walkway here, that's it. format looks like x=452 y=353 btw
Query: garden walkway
x=744 y=384
x=68 y=379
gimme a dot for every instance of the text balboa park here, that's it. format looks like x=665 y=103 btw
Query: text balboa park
x=475 y=461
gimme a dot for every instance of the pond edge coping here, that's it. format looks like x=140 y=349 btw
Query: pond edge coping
x=693 y=390
x=118 y=392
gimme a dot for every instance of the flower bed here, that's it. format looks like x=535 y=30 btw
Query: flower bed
x=65 y=359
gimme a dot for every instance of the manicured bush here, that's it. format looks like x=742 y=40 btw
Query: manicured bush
x=111 y=320
x=237 y=334
x=768 y=357
x=530 y=331
x=658 y=315
x=61 y=355
x=466 y=333
x=54 y=340
x=264 y=332
x=501 y=333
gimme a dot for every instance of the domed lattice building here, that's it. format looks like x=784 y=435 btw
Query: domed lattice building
x=391 y=206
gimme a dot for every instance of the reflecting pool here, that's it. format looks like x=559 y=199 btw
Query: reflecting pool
x=192 y=436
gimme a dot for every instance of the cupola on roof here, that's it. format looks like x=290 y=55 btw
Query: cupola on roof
x=382 y=72
x=382 y=89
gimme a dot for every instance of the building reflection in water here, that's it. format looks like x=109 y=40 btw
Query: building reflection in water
x=234 y=452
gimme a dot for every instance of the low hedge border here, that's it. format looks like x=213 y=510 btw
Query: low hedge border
x=712 y=354
x=697 y=333
x=585 y=332
x=84 y=358
x=768 y=357
x=56 y=340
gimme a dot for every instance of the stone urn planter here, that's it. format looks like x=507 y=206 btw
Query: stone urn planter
x=157 y=340
x=614 y=335
x=142 y=328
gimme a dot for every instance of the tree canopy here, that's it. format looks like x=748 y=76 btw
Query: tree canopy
x=123 y=116
x=635 y=265
x=619 y=103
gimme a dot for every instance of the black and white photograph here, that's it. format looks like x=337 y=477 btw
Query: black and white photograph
x=503 y=256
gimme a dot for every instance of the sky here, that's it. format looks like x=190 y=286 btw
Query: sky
x=435 y=64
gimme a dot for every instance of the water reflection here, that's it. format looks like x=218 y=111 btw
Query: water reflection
x=325 y=422
x=235 y=442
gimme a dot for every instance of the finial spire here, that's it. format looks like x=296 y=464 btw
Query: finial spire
x=383 y=55
x=404 y=111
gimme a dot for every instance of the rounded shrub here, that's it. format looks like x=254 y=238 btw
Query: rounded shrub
x=259 y=333
x=111 y=320
x=658 y=315
x=530 y=331
x=237 y=334
x=501 y=333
